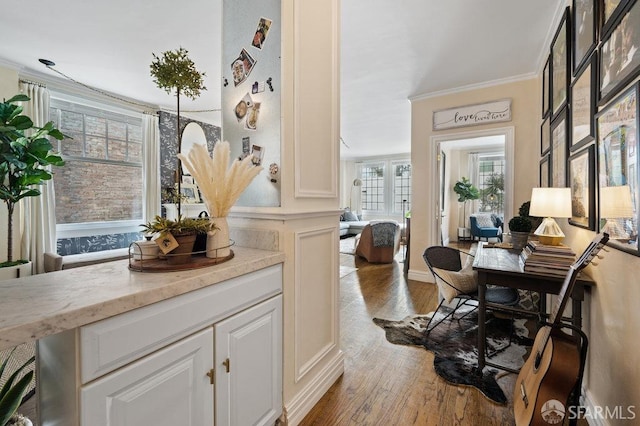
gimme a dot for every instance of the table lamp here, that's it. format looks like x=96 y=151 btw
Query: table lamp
x=615 y=204
x=550 y=203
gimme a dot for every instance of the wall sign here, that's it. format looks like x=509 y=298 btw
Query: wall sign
x=472 y=115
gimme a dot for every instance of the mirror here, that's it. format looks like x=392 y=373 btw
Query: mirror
x=192 y=134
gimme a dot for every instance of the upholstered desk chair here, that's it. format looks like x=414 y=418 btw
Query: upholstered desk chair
x=457 y=280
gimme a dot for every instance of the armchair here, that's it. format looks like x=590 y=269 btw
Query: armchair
x=486 y=225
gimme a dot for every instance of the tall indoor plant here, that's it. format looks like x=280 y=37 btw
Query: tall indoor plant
x=175 y=71
x=25 y=153
x=466 y=191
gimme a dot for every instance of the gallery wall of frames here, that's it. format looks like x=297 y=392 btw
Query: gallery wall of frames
x=589 y=129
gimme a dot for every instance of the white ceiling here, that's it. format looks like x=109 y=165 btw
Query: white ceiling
x=391 y=51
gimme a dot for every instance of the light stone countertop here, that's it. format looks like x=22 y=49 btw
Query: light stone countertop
x=41 y=305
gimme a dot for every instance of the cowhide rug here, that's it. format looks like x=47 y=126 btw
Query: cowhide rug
x=454 y=344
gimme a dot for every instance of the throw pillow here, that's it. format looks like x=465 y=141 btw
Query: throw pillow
x=464 y=281
x=350 y=216
x=484 y=221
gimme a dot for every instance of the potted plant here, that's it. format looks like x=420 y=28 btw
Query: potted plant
x=12 y=392
x=183 y=230
x=520 y=227
x=524 y=211
x=24 y=155
x=466 y=191
x=174 y=70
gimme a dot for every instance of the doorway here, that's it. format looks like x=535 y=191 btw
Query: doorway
x=486 y=159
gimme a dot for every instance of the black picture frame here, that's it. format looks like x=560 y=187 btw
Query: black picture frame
x=584 y=31
x=618 y=137
x=560 y=57
x=582 y=181
x=583 y=105
x=608 y=11
x=558 y=154
x=545 y=137
x=546 y=88
x=620 y=54
x=545 y=174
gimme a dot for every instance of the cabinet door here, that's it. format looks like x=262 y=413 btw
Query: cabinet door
x=167 y=388
x=249 y=391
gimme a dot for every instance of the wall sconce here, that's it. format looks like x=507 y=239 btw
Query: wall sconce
x=550 y=203
x=615 y=204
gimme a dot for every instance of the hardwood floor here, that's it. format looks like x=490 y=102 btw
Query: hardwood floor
x=386 y=384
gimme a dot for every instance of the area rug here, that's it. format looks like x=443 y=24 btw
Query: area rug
x=348 y=245
x=453 y=343
x=346 y=270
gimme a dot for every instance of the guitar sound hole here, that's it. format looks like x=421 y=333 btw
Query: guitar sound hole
x=537 y=361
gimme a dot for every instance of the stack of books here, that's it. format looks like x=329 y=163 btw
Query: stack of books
x=545 y=259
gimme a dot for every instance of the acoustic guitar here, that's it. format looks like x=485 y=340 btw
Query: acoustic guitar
x=552 y=370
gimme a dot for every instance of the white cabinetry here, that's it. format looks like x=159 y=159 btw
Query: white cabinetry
x=172 y=362
x=167 y=388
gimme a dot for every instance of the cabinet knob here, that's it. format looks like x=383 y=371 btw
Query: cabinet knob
x=227 y=364
x=211 y=373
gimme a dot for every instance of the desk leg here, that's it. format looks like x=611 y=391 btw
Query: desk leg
x=482 y=304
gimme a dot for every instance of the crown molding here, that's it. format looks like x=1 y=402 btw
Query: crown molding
x=474 y=86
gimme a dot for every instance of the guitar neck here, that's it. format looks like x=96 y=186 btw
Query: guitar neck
x=570 y=279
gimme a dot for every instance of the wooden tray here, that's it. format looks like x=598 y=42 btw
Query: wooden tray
x=162 y=265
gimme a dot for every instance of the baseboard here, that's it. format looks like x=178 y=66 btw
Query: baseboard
x=423 y=276
x=309 y=396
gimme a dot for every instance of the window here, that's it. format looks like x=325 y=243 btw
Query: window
x=401 y=187
x=386 y=193
x=373 y=187
x=491 y=183
x=101 y=182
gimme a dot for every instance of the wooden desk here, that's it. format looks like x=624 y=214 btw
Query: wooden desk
x=503 y=267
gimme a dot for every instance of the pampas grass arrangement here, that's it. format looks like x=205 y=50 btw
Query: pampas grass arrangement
x=220 y=185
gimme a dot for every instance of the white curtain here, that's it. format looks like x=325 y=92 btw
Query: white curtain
x=38 y=214
x=151 y=167
x=474 y=177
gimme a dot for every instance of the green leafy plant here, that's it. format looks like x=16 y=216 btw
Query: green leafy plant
x=181 y=226
x=13 y=390
x=25 y=152
x=520 y=224
x=466 y=191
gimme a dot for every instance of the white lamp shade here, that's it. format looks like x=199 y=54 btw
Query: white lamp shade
x=615 y=202
x=550 y=202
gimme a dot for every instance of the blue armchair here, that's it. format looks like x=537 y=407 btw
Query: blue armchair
x=485 y=226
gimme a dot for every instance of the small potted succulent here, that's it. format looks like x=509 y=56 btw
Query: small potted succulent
x=183 y=230
x=520 y=226
x=12 y=392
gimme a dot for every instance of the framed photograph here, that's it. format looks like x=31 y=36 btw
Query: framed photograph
x=560 y=65
x=544 y=172
x=559 y=133
x=190 y=193
x=620 y=54
x=609 y=10
x=584 y=31
x=583 y=105
x=546 y=75
x=545 y=137
x=582 y=181
x=618 y=178
x=187 y=179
